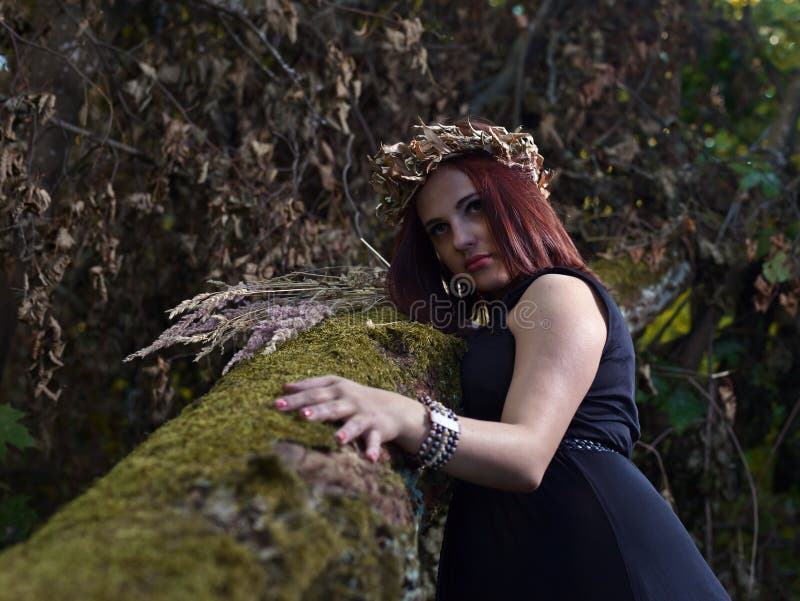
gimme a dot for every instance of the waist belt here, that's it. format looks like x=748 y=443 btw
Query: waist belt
x=585 y=444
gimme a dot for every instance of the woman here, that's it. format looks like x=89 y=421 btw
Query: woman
x=547 y=504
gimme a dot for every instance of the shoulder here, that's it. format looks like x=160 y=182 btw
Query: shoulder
x=564 y=302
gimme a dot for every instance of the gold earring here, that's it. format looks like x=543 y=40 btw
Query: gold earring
x=480 y=313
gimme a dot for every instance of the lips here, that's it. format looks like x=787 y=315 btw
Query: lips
x=476 y=261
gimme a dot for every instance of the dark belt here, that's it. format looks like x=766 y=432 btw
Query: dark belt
x=585 y=444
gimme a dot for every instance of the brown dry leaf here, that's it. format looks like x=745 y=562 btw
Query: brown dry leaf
x=780 y=243
x=655 y=256
x=727 y=398
x=326 y=177
x=710 y=249
x=623 y=152
x=604 y=76
x=636 y=254
x=761 y=303
x=148 y=70
x=762 y=286
x=548 y=130
x=752 y=247
x=646 y=373
x=789 y=301
x=63 y=240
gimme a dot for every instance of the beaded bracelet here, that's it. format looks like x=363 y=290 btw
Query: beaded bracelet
x=442 y=440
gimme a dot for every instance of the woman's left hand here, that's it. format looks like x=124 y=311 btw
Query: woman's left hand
x=376 y=414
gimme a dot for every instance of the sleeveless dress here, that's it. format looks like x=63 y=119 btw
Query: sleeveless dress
x=595 y=529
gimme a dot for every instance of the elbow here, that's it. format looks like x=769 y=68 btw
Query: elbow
x=533 y=474
x=532 y=483
x=535 y=468
x=532 y=479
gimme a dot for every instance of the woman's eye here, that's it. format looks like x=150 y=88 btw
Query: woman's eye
x=434 y=230
x=474 y=205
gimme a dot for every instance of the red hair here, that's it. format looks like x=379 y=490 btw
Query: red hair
x=527 y=232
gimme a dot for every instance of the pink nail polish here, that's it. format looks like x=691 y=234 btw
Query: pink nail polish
x=281 y=404
x=373 y=456
x=341 y=436
x=307 y=412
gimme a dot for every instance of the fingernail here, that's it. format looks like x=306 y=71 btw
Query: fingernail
x=373 y=455
x=281 y=404
x=341 y=436
x=307 y=412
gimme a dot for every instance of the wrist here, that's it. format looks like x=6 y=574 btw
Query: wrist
x=415 y=426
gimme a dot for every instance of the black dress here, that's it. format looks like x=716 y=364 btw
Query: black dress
x=595 y=529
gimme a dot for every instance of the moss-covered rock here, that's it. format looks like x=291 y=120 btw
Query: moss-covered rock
x=236 y=500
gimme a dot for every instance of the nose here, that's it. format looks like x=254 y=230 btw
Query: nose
x=464 y=236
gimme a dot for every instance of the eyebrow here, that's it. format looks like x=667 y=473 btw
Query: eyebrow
x=458 y=206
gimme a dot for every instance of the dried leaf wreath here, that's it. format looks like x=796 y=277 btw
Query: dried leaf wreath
x=270 y=311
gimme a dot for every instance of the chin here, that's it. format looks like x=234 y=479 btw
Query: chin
x=491 y=284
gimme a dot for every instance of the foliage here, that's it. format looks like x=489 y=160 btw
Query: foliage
x=16 y=516
x=11 y=431
x=148 y=147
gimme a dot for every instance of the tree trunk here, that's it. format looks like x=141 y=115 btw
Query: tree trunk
x=235 y=500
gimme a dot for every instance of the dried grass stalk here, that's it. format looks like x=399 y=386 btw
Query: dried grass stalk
x=267 y=312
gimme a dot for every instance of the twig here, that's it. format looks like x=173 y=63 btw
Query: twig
x=781 y=435
x=358 y=11
x=246 y=50
x=296 y=77
x=707 y=459
x=748 y=475
x=657 y=440
x=650 y=448
x=642 y=83
x=102 y=139
x=81 y=74
x=551 y=66
x=636 y=96
x=733 y=210
x=156 y=81
x=364 y=125
x=356 y=212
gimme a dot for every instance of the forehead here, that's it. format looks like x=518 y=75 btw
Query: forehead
x=442 y=190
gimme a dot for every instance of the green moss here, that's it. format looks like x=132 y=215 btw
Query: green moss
x=205 y=509
x=626 y=278
x=144 y=555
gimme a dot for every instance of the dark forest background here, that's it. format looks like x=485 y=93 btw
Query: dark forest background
x=146 y=147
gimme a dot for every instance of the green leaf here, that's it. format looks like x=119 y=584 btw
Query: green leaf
x=751 y=180
x=771 y=184
x=776 y=270
x=17 y=519
x=683 y=407
x=12 y=432
x=729 y=350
